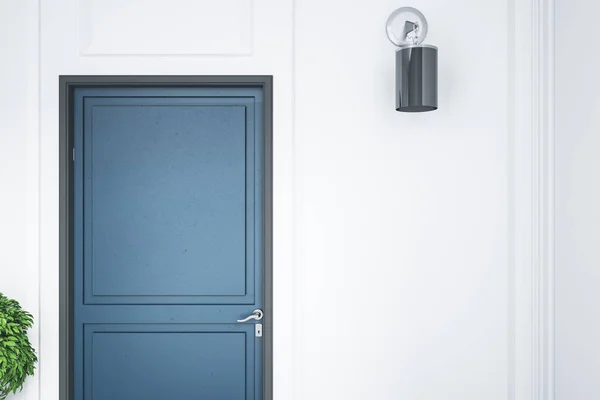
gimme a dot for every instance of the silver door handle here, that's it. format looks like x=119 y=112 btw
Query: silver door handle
x=256 y=315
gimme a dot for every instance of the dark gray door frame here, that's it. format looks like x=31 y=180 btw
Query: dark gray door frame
x=67 y=85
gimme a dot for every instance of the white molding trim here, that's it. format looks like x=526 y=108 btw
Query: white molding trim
x=531 y=181
x=531 y=206
x=543 y=198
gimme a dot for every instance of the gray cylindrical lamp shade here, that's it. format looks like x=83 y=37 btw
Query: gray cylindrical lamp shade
x=417 y=78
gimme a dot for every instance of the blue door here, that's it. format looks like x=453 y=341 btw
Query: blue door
x=168 y=243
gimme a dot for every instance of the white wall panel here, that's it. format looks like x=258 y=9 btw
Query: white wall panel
x=271 y=45
x=158 y=27
x=402 y=225
x=19 y=164
x=577 y=202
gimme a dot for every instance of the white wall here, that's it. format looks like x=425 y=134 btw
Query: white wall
x=401 y=219
x=393 y=232
x=19 y=222
x=577 y=201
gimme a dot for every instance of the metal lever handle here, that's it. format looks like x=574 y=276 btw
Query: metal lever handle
x=256 y=315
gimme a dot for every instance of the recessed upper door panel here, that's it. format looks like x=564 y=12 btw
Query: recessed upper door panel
x=169 y=200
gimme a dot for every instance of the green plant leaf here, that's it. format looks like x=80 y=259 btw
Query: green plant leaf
x=17 y=356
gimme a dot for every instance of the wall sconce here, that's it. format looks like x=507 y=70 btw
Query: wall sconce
x=416 y=63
